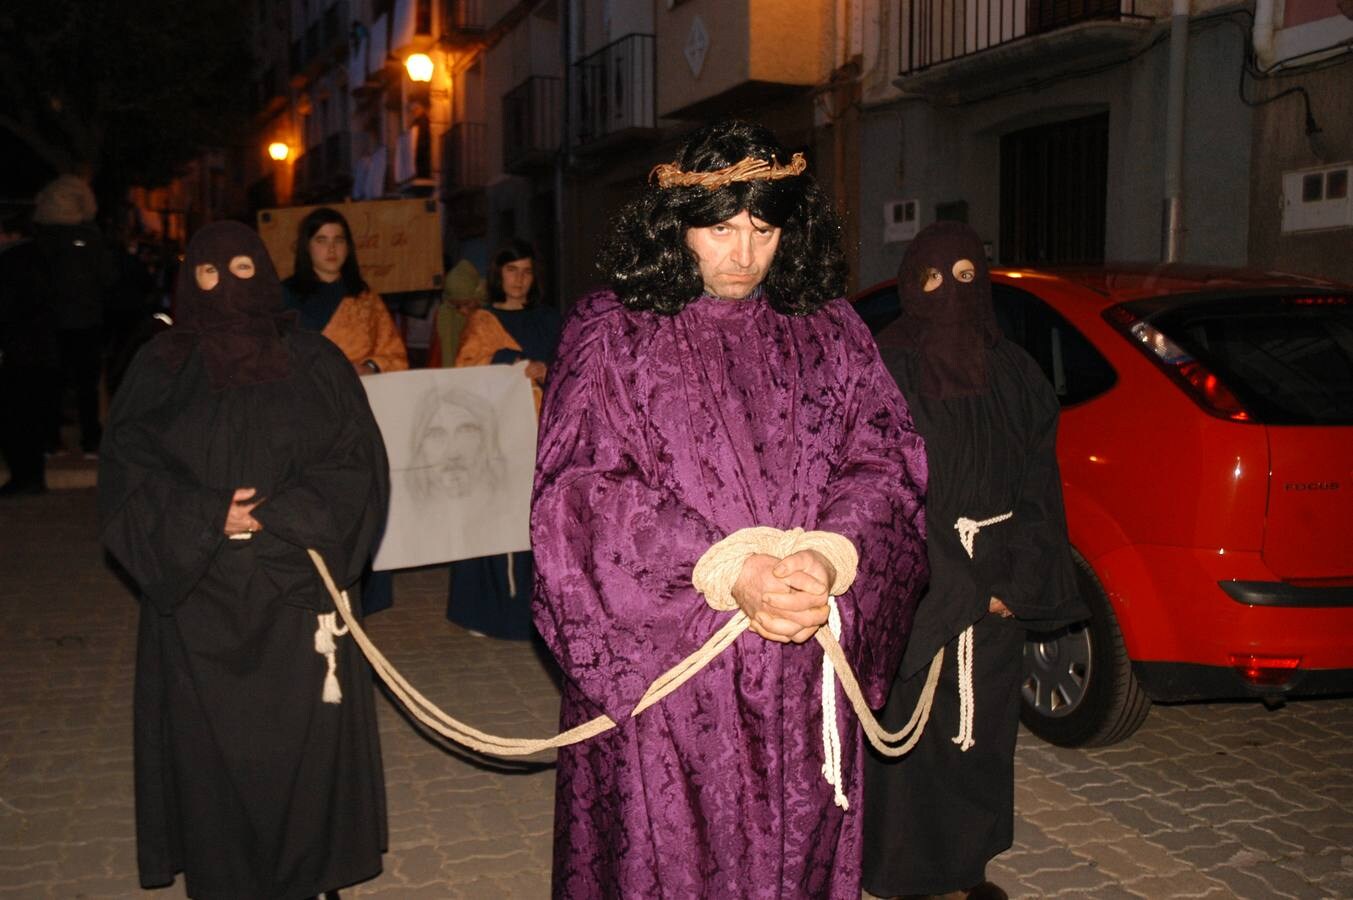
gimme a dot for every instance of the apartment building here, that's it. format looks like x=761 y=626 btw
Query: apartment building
x=561 y=107
x=1063 y=130
x=1069 y=132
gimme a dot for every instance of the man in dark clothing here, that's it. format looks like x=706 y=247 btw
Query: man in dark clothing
x=235 y=443
x=79 y=270
x=27 y=360
x=999 y=564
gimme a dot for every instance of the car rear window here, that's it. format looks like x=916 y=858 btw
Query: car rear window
x=1288 y=359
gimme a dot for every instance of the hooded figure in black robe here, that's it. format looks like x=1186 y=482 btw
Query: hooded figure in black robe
x=250 y=778
x=934 y=818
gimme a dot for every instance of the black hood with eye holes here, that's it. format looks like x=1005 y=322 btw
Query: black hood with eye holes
x=238 y=325
x=950 y=329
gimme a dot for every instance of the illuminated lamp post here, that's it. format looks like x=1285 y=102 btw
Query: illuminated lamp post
x=419 y=67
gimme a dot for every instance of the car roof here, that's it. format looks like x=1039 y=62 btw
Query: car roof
x=1120 y=282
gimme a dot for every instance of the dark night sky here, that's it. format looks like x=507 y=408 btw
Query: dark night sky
x=22 y=173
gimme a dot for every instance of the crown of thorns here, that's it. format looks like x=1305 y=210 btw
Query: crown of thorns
x=749 y=169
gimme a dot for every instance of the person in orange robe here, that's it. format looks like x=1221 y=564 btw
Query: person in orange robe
x=328 y=292
x=491 y=595
x=327 y=289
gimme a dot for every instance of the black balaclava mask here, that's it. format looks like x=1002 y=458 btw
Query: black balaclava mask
x=950 y=328
x=238 y=324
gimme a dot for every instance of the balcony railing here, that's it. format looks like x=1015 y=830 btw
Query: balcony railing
x=326 y=168
x=463 y=165
x=465 y=15
x=322 y=35
x=614 y=90
x=938 y=31
x=531 y=123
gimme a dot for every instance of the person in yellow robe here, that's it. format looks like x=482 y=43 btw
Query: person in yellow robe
x=462 y=293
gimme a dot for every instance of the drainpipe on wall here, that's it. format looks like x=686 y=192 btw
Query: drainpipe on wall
x=1264 y=31
x=564 y=158
x=1174 y=132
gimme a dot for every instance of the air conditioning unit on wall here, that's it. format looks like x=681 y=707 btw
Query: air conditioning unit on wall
x=901 y=220
x=1317 y=199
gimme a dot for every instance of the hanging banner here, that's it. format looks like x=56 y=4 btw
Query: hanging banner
x=398 y=242
x=462 y=451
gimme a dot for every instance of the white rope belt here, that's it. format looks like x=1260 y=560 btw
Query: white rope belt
x=967 y=532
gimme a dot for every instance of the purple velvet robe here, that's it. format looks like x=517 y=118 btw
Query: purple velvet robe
x=660 y=435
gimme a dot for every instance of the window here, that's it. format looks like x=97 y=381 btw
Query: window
x=1288 y=359
x=1054 y=190
x=1075 y=368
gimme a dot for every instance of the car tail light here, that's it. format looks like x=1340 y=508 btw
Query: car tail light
x=1196 y=379
x=1327 y=300
x=1265 y=670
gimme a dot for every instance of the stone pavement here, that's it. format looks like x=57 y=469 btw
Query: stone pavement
x=1214 y=800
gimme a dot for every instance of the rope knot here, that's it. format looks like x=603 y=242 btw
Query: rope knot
x=967 y=529
x=718 y=568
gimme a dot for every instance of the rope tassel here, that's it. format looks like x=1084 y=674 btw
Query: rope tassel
x=326 y=646
x=967 y=533
x=831 y=728
x=965 y=694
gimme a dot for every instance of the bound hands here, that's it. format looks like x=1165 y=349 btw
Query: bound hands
x=239 y=518
x=785 y=599
x=999 y=608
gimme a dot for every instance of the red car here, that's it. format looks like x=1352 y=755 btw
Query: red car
x=1206 y=451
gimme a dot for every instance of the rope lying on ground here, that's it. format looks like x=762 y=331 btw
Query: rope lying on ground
x=425 y=711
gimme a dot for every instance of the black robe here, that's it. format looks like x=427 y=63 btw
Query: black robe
x=246 y=781
x=934 y=818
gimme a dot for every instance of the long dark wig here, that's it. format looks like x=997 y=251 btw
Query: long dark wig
x=509 y=252
x=650 y=267
x=303 y=279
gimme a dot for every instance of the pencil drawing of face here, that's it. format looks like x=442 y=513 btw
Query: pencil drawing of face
x=455 y=446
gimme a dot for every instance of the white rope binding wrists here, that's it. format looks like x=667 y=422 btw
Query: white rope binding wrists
x=716 y=572
x=967 y=706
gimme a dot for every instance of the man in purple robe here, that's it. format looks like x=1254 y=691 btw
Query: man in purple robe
x=722 y=385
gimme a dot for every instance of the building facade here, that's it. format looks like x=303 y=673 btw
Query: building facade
x=1112 y=130
x=1192 y=130
x=1301 y=211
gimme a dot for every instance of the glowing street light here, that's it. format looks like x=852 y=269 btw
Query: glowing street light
x=279 y=151
x=419 y=66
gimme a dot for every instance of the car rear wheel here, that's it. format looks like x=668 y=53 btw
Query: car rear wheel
x=1078 y=688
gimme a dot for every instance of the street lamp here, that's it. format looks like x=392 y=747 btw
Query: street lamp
x=279 y=151
x=419 y=66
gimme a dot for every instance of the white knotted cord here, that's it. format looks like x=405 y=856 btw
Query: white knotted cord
x=967 y=529
x=965 y=696
x=831 y=728
x=967 y=532
x=326 y=645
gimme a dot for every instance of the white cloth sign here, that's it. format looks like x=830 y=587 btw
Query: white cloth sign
x=462 y=450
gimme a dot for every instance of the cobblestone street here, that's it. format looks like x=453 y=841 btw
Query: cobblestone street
x=1207 y=800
